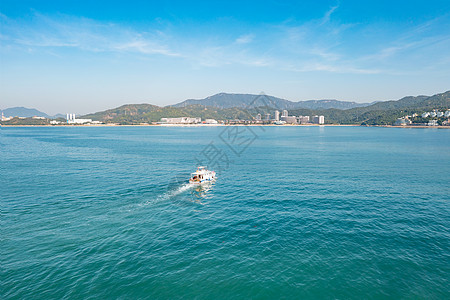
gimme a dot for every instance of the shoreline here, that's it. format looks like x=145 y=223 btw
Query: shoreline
x=220 y=125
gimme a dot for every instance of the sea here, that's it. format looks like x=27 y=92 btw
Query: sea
x=296 y=212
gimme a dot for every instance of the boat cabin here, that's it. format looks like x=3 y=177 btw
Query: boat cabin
x=202 y=174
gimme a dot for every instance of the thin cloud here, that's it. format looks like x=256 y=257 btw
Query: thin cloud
x=85 y=35
x=326 y=17
x=244 y=39
x=144 y=47
x=314 y=45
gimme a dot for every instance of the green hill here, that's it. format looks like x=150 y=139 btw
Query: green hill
x=380 y=113
x=226 y=100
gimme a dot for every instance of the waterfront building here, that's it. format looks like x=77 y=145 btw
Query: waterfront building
x=439 y=114
x=211 y=121
x=71 y=119
x=290 y=119
x=285 y=113
x=402 y=122
x=425 y=115
x=5 y=118
x=321 y=120
x=433 y=123
x=318 y=119
x=267 y=118
x=181 y=120
x=258 y=117
x=277 y=115
x=279 y=122
x=303 y=119
x=447 y=113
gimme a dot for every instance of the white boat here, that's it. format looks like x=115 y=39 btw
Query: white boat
x=202 y=175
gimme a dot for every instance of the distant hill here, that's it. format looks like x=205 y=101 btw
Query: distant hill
x=224 y=100
x=135 y=113
x=23 y=112
x=145 y=113
x=380 y=113
x=248 y=106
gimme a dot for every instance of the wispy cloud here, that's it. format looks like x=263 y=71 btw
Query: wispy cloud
x=421 y=46
x=244 y=39
x=326 y=17
x=83 y=34
x=325 y=44
x=145 y=47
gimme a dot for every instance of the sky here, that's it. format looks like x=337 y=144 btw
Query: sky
x=88 y=56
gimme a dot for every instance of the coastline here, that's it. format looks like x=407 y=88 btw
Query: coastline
x=220 y=125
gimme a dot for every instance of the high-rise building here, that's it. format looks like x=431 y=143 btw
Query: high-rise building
x=318 y=119
x=267 y=117
x=277 y=115
x=285 y=113
x=290 y=119
x=258 y=117
x=303 y=119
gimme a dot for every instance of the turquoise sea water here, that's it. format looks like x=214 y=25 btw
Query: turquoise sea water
x=296 y=212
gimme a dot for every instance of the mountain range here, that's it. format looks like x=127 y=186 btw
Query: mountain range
x=24 y=112
x=228 y=107
x=244 y=106
x=224 y=100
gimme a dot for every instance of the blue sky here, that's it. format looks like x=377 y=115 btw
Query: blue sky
x=85 y=56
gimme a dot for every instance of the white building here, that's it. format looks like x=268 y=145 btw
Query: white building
x=5 y=118
x=71 y=119
x=402 y=122
x=289 y=119
x=433 y=123
x=425 y=115
x=318 y=119
x=439 y=114
x=181 y=120
x=447 y=113
x=277 y=115
x=258 y=117
x=284 y=113
x=267 y=118
x=211 y=121
x=303 y=119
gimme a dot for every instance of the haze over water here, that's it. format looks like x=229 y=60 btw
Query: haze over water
x=301 y=212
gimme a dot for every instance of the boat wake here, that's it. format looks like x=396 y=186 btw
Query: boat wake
x=178 y=186
x=171 y=193
x=179 y=190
